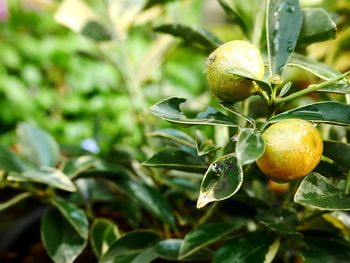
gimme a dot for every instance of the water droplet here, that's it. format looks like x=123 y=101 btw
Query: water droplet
x=290 y=41
x=290 y=49
x=275 y=79
x=216 y=169
x=291 y=9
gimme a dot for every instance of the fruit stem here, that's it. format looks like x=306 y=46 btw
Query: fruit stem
x=264 y=96
x=310 y=89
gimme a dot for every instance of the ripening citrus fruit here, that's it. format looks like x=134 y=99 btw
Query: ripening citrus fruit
x=224 y=60
x=293 y=149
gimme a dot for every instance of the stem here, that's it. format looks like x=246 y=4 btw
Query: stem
x=264 y=96
x=312 y=216
x=311 y=88
x=208 y=213
x=347 y=184
x=15 y=200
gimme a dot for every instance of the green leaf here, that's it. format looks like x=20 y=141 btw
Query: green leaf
x=252 y=247
x=280 y=219
x=37 y=145
x=45 y=175
x=169 y=110
x=205 y=235
x=75 y=216
x=317 y=26
x=318 y=192
x=129 y=246
x=341 y=87
x=151 y=3
x=321 y=112
x=10 y=162
x=316 y=68
x=223 y=179
x=177 y=159
x=149 y=198
x=281 y=36
x=75 y=166
x=338 y=152
x=175 y=135
x=192 y=35
x=61 y=241
x=250 y=146
x=96 y=31
x=169 y=249
x=103 y=233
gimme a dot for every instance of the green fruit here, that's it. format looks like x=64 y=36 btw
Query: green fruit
x=293 y=149
x=228 y=58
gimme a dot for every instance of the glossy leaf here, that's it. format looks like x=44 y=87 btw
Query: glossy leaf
x=205 y=235
x=103 y=233
x=10 y=162
x=150 y=199
x=252 y=247
x=75 y=216
x=341 y=87
x=318 y=192
x=37 y=145
x=177 y=159
x=331 y=112
x=317 y=26
x=76 y=166
x=250 y=146
x=279 y=219
x=223 y=179
x=169 y=110
x=317 y=68
x=230 y=108
x=46 y=175
x=169 y=249
x=129 y=246
x=338 y=152
x=192 y=35
x=281 y=36
x=175 y=136
x=62 y=243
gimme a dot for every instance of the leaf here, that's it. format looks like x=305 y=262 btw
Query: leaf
x=175 y=135
x=252 y=247
x=169 y=249
x=10 y=162
x=320 y=112
x=75 y=216
x=61 y=241
x=177 y=159
x=129 y=246
x=169 y=110
x=280 y=219
x=285 y=89
x=96 y=31
x=151 y=3
x=193 y=35
x=250 y=146
x=205 y=235
x=150 y=199
x=341 y=87
x=103 y=233
x=317 y=26
x=318 y=192
x=223 y=179
x=46 y=175
x=37 y=145
x=76 y=166
x=317 y=68
x=338 y=152
x=281 y=36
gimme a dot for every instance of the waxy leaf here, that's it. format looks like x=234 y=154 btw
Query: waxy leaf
x=321 y=112
x=284 y=20
x=318 y=192
x=177 y=159
x=223 y=179
x=192 y=35
x=338 y=152
x=75 y=216
x=252 y=247
x=61 y=241
x=169 y=110
x=250 y=146
x=317 y=26
x=279 y=219
x=103 y=233
x=10 y=162
x=130 y=246
x=315 y=67
x=205 y=235
x=37 y=145
x=175 y=135
x=45 y=175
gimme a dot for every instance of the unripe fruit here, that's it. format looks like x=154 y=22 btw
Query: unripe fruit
x=222 y=63
x=293 y=149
